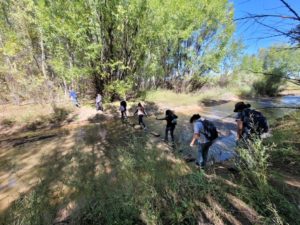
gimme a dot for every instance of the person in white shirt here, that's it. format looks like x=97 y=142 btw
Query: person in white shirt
x=99 y=102
x=140 y=111
x=123 y=109
x=199 y=137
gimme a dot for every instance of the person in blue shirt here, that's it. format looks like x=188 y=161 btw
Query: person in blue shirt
x=73 y=97
x=199 y=137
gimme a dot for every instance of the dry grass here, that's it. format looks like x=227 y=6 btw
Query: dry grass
x=29 y=113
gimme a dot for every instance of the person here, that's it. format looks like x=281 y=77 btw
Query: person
x=123 y=109
x=73 y=97
x=99 y=103
x=249 y=122
x=202 y=141
x=141 y=113
x=171 y=119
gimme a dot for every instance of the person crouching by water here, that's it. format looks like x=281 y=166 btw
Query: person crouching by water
x=123 y=109
x=99 y=103
x=171 y=119
x=202 y=142
x=140 y=111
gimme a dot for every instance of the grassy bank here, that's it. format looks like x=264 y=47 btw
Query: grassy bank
x=170 y=98
x=135 y=180
x=286 y=132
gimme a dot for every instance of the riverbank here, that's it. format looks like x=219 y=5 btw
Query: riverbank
x=96 y=168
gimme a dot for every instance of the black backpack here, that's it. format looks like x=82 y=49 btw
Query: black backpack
x=210 y=130
x=255 y=121
x=124 y=104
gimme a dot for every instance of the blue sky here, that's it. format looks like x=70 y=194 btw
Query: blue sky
x=254 y=35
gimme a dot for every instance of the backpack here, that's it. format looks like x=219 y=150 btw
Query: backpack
x=174 y=119
x=210 y=130
x=124 y=104
x=255 y=121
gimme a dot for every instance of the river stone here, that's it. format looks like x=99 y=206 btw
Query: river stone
x=137 y=127
x=222 y=149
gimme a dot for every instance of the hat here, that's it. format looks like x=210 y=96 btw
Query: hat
x=194 y=117
x=240 y=106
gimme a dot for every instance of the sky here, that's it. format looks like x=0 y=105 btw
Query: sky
x=255 y=36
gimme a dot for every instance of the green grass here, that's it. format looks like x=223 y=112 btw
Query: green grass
x=171 y=98
x=285 y=134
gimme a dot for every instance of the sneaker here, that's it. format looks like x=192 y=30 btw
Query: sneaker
x=199 y=166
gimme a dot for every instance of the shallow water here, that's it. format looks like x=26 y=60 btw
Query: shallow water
x=224 y=119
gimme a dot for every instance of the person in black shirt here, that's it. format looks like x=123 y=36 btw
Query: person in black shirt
x=171 y=119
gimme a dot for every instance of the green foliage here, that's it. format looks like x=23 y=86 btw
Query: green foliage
x=118 y=89
x=253 y=165
x=271 y=68
x=68 y=41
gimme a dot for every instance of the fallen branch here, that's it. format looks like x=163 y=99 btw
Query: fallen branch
x=33 y=139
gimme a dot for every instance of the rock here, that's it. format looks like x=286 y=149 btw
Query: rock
x=222 y=149
x=137 y=127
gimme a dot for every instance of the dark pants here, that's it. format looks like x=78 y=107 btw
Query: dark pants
x=99 y=106
x=123 y=114
x=141 y=120
x=171 y=129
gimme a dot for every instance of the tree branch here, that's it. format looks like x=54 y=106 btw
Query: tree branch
x=266 y=15
x=290 y=8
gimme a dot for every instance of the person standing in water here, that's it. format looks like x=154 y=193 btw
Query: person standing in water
x=123 y=109
x=140 y=111
x=99 y=103
x=171 y=119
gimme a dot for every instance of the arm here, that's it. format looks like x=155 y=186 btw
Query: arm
x=135 y=112
x=195 y=137
x=239 y=129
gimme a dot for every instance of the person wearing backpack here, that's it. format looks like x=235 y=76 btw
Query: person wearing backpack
x=171 y=119
x=204 y=133
x=123 y=109
x=140 y=111
x=249 y=122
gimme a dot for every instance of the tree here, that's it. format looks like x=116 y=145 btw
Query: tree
x=111 y=43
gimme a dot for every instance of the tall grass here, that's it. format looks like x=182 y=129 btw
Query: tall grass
x=257 y=190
